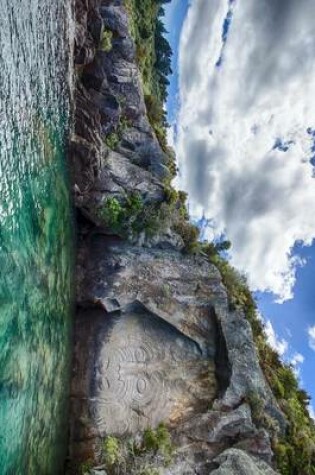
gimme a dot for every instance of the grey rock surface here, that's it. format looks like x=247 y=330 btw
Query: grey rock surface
x=118 y=178
x=160 y=325
x=246 y=376
x=182 y=290
x=237 y=462
x=109 y=100
x=142 y=372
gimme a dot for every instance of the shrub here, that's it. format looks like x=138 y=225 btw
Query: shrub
x=158 y=441
x=112 y=214
x=123 y=217
x=288 y=381
x=149 y=440
x=155 y=111
x=283 y=454
x=106 y=42
x=171 y=195
x=111 y=451
x=112 y=140
x=189 y=233
x=86 y=467
x=182 y=196
x=257 y=407
x=138 y=457
x=124 y=124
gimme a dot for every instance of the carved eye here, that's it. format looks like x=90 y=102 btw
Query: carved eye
x=140 y=354
x=141 y=385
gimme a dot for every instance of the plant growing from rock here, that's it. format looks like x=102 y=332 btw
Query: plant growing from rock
x=257 y=407
x=85 y=467
x=122 y=217
x=111 y=451
x=112 y=214
x=189 y=233
x=143 y=456
x=112 y=140
x=159 y=441
x=106 y=42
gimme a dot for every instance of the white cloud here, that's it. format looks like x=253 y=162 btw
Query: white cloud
x=171 y=136
x=279 y=345
x=311 y=337
x=296 y=361
x=312 y=412
x=230 y=119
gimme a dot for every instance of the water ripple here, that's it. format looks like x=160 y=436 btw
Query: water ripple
x=35 y=235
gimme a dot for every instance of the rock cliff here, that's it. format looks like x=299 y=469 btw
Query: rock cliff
x=156 y=340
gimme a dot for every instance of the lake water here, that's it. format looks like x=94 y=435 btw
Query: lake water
x=36 y=245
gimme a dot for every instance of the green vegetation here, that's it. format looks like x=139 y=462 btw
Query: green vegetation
x=189 y=233
x=138 y=457
x=159 y=442
x=257 y=407
x=153 y=50
x=122 y=218
x=86 y=467
x=132 y=216
x=106 y=42
x=154 y=59
x=111 y=451
x=111 y=213
x=180 y=219
x=112 y=140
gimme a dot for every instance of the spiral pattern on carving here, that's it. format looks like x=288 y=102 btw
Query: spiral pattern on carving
x=141 y=372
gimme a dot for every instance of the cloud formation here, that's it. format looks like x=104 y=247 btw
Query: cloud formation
x=311 y=337
x=279 y=345
x=296 y=361
x=246 y=130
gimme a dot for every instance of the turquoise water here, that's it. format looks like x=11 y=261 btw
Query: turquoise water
x=35 y=235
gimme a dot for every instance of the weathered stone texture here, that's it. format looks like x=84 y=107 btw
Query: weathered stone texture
x=237 y=462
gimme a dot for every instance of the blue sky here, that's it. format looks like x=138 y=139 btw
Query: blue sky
x=291 y=319
x=175 y=15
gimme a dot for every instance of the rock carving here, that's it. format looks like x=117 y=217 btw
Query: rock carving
x=146 y=372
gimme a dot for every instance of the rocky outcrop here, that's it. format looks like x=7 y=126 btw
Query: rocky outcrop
x=237 y=462
x=110 y=103
x=165 y=348
x=155 y=339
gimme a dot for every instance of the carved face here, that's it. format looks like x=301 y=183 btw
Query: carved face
x=147 y=372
